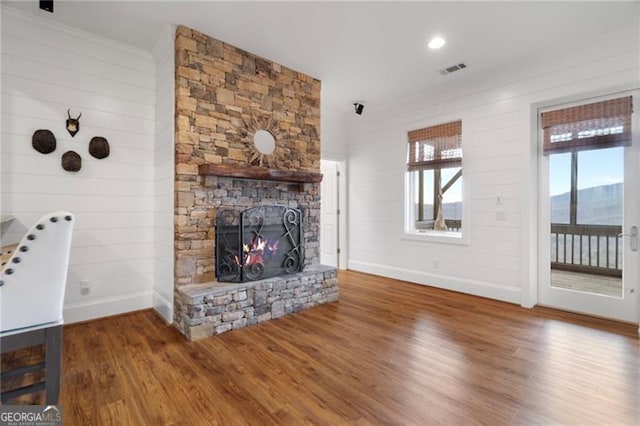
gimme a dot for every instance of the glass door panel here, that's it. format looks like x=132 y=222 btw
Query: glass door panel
x=586 y=191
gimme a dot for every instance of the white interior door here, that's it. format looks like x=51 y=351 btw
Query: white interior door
x=586 y=266
x=329 y=218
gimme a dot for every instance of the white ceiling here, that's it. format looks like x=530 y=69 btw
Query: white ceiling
x=362 y=51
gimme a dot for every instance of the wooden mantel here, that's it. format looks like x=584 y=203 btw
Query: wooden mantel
x=258 y=173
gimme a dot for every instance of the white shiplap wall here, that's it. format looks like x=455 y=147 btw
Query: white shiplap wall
x=333 y=134
x=163 y=54
x=47 y=68
x=497 y=110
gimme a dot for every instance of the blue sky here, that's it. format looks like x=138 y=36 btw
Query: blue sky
x=595 y=168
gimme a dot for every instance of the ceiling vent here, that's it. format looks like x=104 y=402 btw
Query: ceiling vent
x=453 y=68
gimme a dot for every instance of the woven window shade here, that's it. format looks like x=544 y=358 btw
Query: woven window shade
x=435 y=147
x=598 y=125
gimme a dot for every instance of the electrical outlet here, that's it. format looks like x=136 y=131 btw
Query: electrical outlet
x=436 y=263
x=501 y=215
x=85 y=287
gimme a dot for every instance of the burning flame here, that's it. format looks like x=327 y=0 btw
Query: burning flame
x=258 y=250
x=273 y=248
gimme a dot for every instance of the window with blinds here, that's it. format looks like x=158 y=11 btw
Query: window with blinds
x=435 y=147
x=434 y=166
x=597 y=125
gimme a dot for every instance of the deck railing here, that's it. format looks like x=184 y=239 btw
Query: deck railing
x=453 y=225
x=594 y=249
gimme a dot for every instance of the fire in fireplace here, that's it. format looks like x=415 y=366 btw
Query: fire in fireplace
x=258 y=243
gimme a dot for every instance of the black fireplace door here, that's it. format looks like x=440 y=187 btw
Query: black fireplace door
x=258 y=243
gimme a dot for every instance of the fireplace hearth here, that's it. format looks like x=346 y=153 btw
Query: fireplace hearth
x=258 y=243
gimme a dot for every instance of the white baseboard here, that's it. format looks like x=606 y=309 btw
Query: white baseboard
x=163 y=307
x=477 y=288
x=104 y=307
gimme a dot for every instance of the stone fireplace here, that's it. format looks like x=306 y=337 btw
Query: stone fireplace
x=224 y=97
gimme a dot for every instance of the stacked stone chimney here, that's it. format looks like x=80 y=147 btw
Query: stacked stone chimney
x=223 y=96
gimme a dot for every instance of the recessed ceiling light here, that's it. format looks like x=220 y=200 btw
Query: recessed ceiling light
x=436 y=43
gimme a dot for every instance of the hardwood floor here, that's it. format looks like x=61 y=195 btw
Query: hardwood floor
x=387 y=353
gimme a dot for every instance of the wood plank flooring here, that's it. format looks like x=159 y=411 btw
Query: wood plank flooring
x=590 y=283
x=388 y=352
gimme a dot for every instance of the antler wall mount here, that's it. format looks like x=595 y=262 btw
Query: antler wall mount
x=73 y=124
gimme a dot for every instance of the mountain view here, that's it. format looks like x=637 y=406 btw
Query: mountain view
x=598 y=205
x=450 y=210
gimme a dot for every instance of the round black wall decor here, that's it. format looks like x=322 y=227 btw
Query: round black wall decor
x=43 y=141
x=71 y=161
x=99 y=147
